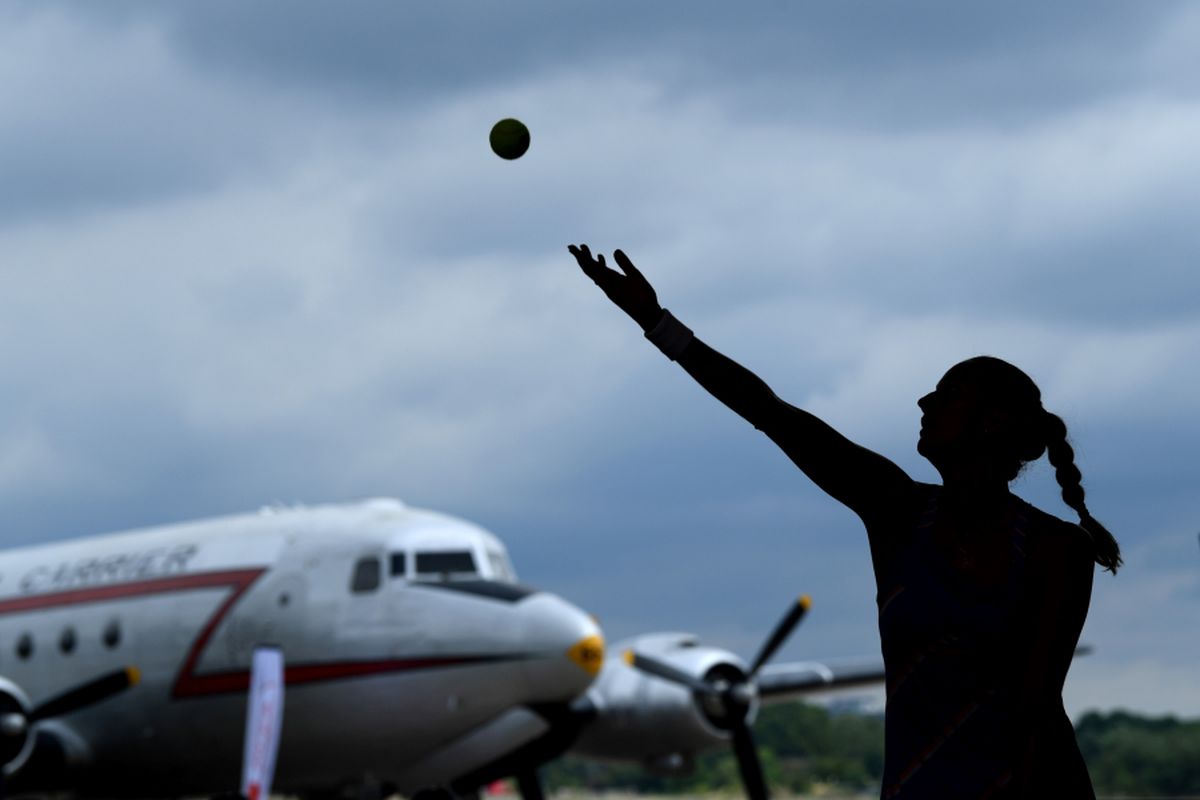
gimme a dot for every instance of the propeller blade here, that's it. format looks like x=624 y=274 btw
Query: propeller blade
x=748 y=764
x=782 y=631
x=529 y=785
x=91 y=692
x=660 y=669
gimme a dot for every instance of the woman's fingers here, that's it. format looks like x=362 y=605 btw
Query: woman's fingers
x=583 y=256
x=594 y=268
x=627 y=266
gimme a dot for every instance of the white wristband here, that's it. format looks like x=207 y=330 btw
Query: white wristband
x=670 y=336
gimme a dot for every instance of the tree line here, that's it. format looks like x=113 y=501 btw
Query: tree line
x=805 y=748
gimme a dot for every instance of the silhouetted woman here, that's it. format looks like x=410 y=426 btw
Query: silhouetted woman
x=981 y=596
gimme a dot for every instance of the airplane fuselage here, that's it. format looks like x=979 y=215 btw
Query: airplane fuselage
x=402 y=632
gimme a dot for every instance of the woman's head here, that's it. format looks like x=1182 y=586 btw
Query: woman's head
x=986 y=416
x=984 y=413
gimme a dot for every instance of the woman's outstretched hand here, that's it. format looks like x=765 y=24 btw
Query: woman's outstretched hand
x=632 y=293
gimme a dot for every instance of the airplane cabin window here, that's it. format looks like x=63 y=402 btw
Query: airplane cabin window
x=66 y=642
x=112 y=634
x=24 y=646
x=366 y=575
x=446 y=564
x=398 y=569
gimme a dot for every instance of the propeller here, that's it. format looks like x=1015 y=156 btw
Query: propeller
x=726 y=695
x=529 y=785
x=17 y=718
x=85 y=695
x=782 y=631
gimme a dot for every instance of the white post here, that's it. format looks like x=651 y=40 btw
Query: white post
x=264 y=716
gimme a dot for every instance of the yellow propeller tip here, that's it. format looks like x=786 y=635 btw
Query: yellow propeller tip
x=627 y=657
x=805 y=602
x=134 y=674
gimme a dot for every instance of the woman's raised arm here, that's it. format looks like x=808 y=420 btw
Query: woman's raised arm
x=861 y=479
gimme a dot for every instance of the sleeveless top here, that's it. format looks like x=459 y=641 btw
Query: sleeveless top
x=947 y=650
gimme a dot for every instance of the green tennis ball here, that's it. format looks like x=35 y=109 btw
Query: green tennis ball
x=509 y=138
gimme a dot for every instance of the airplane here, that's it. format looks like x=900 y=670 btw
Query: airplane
x=414 y=662
x=662 y=698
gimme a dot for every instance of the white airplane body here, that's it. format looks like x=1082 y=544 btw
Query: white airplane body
x=410 y=676
x=412 y=658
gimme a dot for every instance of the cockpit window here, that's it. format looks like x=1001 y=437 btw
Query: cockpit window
x=366 y=575
x=501 y=570
x=398 y=569
x=445 y=564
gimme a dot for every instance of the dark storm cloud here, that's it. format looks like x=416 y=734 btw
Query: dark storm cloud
x=846 y=65
x=43 y=177
x=102 y=116
x=1141 y=272
x=916 y=62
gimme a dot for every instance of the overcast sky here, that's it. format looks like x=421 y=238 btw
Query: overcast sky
x=258 y=252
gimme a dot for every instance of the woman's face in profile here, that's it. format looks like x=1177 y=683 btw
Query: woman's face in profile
x=950 y=419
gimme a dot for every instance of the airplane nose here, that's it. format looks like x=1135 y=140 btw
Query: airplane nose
x=588 y=653
x=565 y=648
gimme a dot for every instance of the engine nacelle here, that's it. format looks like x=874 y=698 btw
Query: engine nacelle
x=643 y=717
x=16 y=738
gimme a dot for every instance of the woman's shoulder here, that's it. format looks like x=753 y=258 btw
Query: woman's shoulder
x=1051 y=527
x=1051 y=538
x=923 y=494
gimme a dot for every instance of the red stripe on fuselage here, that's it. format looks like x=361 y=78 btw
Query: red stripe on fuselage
x=187 y=682
x=239 y=580
x=301 y=674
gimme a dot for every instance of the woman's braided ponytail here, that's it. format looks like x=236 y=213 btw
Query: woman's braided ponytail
x=1106 y=550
